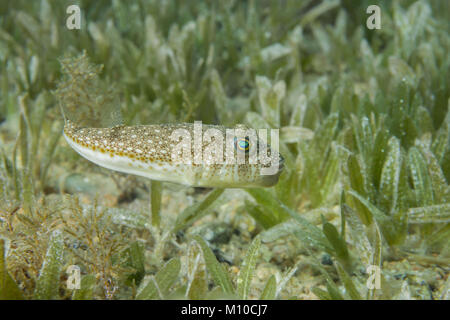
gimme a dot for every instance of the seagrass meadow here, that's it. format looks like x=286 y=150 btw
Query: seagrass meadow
x=361 y=209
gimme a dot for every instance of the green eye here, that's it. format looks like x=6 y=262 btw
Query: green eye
x=242 y=144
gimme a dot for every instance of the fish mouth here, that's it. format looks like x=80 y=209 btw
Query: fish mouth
x=270 y=180
x=280 y=163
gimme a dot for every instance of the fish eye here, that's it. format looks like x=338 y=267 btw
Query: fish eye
x=242 y=144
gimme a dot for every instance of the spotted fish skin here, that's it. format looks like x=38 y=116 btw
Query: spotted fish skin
x=146 y=150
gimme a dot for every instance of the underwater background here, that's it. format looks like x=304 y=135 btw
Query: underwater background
x=361 y=210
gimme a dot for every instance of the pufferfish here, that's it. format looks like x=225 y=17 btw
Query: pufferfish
x=151 y=150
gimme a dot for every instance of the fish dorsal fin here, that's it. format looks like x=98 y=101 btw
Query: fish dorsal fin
x=84 y=99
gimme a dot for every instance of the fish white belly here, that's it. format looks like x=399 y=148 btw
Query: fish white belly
x=156 y=170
